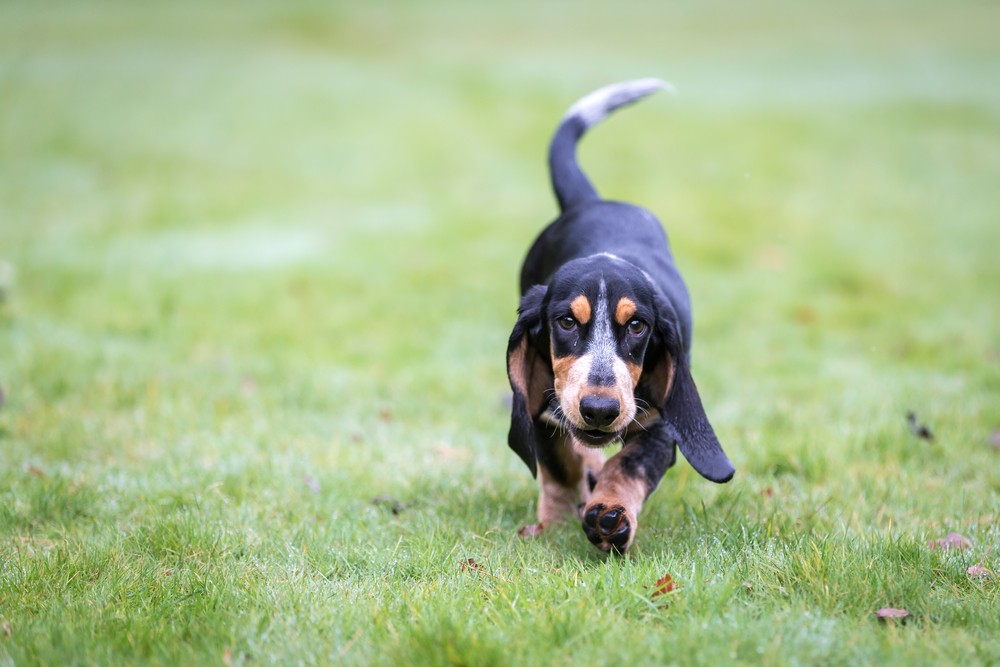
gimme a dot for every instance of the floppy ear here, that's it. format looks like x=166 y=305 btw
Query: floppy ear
x=530 y=375
x=668 y=379
x=685 y=415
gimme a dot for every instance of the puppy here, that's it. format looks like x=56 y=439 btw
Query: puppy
x=600 y=352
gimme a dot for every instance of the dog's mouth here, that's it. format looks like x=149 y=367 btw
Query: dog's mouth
x=594 y=437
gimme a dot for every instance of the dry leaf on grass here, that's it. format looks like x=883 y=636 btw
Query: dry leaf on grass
x=664 y=585
x=891 y=614
x=978 y=570
x=7 y=630
x=950 y=541
x=471 y=565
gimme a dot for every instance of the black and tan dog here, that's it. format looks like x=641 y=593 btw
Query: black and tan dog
x=600 y=350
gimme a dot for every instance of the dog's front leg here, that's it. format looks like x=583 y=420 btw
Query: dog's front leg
x=611 y=516
x=567 y=472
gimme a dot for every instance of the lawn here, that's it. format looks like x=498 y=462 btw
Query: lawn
x=258 y=269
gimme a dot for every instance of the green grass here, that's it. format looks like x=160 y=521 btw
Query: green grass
x=257 y=272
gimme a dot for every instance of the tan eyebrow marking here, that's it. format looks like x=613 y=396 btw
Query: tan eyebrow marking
x=580 y=307
x=625 y=310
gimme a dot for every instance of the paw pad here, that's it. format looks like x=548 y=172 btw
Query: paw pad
x=607 y=527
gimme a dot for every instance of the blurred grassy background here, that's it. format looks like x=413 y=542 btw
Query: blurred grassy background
x=258 y=267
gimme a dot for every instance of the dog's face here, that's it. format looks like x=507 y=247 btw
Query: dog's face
x=603 y=341
x=600 y=314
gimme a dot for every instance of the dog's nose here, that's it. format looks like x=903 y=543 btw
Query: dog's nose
x=599 y=411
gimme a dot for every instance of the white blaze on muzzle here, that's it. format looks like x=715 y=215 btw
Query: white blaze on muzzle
x=597 y=374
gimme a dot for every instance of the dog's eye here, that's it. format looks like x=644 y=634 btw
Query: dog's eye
x=636 y=327
x=567 y=323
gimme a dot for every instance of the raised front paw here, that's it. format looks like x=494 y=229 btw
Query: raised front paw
x=609 y=527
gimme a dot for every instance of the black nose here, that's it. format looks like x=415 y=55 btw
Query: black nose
x=598 y=411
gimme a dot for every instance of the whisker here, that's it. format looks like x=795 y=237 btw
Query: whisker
x=561 y=423
x=639 y=424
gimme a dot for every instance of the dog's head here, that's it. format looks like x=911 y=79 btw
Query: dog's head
x=609 y=348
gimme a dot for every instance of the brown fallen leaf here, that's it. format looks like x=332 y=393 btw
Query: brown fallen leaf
x=471 y=565
x=891 y=614
x=950 y=541
x=7 y=630
x=227 y=657
x=531 y=531
x=35 y=471
x=664 y=584
x=978 y=570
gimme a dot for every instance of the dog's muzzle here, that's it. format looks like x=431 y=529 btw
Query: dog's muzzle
x=598 y=413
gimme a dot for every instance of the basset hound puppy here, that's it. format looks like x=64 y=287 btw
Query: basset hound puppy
x=600 y=352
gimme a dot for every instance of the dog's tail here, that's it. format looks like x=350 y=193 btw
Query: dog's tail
x=571 y=185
